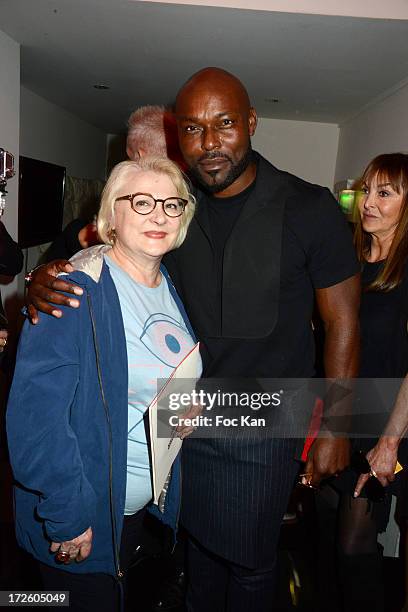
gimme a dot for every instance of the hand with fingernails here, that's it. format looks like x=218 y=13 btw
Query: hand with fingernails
x=77 y=549
x=383 y=460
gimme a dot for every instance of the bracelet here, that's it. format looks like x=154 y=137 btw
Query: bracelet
x=29 y=276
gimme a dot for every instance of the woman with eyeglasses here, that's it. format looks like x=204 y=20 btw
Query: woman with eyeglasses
x=381 y=240
x=75 y=424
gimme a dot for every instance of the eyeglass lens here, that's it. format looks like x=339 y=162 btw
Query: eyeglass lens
x=144 y=204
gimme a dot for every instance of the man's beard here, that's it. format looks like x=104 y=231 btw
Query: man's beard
x=234 y=172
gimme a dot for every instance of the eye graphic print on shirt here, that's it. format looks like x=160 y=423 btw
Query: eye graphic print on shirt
x=166 y=339
x=156 y=345
x=161 y=344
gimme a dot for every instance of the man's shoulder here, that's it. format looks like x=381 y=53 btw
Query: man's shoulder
x=311 y=211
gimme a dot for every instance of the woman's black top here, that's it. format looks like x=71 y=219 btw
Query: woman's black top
x=384 y=354
x=383 y=323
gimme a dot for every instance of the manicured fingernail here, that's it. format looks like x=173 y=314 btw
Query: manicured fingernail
x=74 y=303
x=56 y=313
x=78 y=291
x=355 y=494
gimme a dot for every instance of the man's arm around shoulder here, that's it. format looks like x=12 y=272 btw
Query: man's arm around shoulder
x=44 y=290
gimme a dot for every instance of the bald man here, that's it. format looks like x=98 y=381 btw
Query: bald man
x=263 y=245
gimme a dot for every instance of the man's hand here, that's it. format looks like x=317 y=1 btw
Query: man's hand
x=382 y=459
x=42 y=290
x=79 y=548
x=327 y=457
x=185 y=430
x=338 y=306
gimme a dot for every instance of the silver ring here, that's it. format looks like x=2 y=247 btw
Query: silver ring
x=373 y=473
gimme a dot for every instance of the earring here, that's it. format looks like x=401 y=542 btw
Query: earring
x=112 y=235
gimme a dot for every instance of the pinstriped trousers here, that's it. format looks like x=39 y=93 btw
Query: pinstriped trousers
x=235 y=493
x=217 y=585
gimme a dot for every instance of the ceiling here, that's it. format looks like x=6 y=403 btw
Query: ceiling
x=319 y=68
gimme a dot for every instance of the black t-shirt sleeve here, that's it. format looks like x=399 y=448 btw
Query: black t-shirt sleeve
x=331 y=256
x=11 y=256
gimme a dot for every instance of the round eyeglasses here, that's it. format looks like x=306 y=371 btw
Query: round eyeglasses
x=145 y=203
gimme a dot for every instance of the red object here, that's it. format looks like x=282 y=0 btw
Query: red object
x=314 y=427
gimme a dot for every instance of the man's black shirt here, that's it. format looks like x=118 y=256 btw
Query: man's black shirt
x=316 y=252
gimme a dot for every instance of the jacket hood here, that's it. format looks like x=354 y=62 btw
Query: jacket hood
x=90 y=261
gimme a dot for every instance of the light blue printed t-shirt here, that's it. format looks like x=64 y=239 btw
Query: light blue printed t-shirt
x=157 y=340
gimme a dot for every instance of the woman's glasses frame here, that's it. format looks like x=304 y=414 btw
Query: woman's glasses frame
x=131 y=197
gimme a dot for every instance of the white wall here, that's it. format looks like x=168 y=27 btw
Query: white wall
x=303 y=148
x=380 y=128
x=115 y=150
x=9 y=137
x=52 y=134
x=393 y=9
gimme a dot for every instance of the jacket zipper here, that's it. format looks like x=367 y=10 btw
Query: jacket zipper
x=179 y=508
x=191 y=332
x=119 y=573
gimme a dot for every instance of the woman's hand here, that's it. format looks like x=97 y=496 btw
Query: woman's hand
x=43 y=288
x=382 y=459
x=79 y=548
x=185 y=430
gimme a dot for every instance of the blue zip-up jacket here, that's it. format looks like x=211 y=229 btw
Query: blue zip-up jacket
x=67 y=420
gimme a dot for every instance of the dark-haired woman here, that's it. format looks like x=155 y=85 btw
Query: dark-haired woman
x=381 y=240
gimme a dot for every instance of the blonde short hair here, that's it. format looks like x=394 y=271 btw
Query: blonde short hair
x=128 y=169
